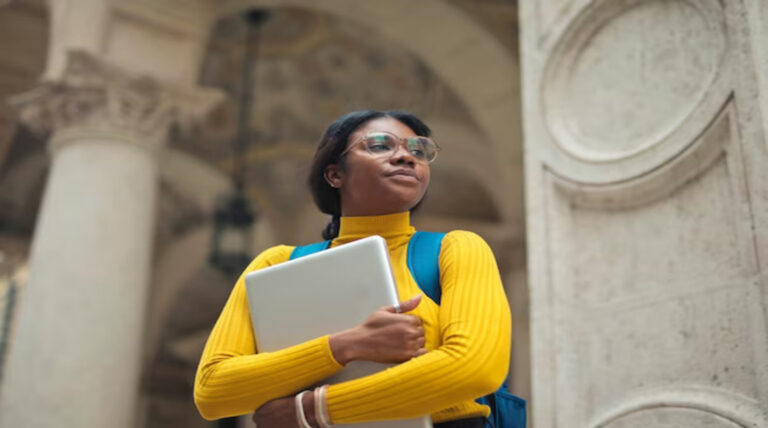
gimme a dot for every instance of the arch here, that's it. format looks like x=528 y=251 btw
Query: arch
x=735 y=408
x=468 y=59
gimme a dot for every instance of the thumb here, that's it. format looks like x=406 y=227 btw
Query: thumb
x=410 y=304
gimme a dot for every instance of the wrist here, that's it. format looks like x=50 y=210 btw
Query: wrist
x=301 y=415
x=342 y=347
x=308 y=403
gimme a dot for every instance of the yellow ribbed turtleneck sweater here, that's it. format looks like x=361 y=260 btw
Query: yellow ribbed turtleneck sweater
x=467 y=336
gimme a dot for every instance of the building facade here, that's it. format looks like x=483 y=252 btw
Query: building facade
x=614 y=157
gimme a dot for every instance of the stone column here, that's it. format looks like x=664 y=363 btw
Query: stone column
x=75 y=360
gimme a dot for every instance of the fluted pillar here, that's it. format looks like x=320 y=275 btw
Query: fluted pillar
x=76 y=353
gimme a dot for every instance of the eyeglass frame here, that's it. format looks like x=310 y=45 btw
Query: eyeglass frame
x=403 y=142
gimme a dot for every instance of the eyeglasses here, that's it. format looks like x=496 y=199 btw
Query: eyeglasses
x=384 y=144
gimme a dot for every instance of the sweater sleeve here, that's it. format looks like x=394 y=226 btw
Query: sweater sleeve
x=232 y=379
x=472 y=361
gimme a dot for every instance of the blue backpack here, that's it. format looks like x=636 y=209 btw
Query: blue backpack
x=507 y=410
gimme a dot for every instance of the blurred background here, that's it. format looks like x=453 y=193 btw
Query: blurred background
x=614 y=154
x=271 y=84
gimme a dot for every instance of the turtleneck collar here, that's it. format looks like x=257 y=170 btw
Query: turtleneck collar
x=387 y=226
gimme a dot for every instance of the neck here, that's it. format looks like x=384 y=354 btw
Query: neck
x=369 y=211
x=386 y=225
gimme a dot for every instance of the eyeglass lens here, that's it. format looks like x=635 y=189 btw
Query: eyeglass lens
x=420 y=147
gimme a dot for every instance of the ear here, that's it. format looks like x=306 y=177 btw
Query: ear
x=334 y=176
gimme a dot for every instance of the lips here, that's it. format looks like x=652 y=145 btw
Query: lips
x=403 y=173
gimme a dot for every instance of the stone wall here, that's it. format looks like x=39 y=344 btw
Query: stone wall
x=645 y=140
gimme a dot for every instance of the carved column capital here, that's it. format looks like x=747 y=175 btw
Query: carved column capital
x=96 y=99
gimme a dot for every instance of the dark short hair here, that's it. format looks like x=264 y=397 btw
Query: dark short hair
x=333 y=142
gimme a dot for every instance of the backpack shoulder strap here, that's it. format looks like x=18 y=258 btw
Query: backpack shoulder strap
x=424 y=262
x=306 y=250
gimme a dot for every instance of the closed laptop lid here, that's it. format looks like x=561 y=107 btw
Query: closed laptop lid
x=325 y=293
x=319 y=294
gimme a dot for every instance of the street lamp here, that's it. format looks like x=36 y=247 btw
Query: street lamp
x=232 y=224
x=234 y=216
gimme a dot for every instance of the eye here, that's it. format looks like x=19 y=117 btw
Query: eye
x=416 y=148
x=379 y=143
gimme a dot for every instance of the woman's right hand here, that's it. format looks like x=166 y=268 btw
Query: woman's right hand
x=386 y=336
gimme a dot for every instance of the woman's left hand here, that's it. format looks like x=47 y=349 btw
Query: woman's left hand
x=276 y=414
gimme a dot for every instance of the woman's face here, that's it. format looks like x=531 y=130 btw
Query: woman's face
x=370 y=185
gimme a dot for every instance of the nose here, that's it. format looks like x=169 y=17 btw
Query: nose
x=401 y=155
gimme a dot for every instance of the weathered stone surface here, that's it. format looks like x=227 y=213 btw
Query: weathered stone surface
x=646 y=190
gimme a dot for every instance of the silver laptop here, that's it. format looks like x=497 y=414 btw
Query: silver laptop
x=325 y=293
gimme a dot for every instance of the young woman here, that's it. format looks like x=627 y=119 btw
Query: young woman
x=370 y=170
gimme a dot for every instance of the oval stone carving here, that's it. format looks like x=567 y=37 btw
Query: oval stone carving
x=628 y=73
x=671 y=418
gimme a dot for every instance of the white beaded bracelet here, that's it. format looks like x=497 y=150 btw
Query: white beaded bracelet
x=300 y=410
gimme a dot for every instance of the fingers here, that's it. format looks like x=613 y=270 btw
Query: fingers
x=420 y=332
x=392 y=336
x=415 y=321
x=420 y=342
x=416 y=333
x=406 y=306
x=410 y=304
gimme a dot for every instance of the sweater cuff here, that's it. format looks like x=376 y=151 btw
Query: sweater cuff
x=326 y=340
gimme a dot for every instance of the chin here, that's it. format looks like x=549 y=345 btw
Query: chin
x=396 y=205
x=412 y=203
x=400 y=199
